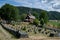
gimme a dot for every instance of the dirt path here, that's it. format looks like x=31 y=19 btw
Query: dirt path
x=4 y=34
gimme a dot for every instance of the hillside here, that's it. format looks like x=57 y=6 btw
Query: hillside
x=53 y=15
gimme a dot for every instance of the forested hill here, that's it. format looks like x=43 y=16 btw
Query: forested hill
x=53 y=15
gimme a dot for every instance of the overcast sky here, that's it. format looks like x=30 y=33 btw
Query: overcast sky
x=50 y=5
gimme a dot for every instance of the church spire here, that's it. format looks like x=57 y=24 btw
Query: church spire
x=29 y=12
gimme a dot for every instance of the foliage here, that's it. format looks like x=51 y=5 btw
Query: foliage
x=42 y=22
x=22 y=17
x=43 y=18
x=59 y=25
x=36 y=22
x=54 y=15
x=36 y=15
x=9 y=12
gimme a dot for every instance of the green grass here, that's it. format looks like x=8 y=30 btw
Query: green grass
x=54 y=23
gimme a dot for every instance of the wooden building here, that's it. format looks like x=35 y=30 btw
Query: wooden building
x=29 y=18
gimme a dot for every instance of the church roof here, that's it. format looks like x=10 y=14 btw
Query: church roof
x=31 y=16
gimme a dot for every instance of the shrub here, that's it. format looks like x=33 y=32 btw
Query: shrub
x=42 y=22
x=36 y=22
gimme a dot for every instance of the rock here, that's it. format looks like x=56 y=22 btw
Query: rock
x=39 y=30
x=51 y=35
x=23 y=35
x=42 y=31
x=57 y=35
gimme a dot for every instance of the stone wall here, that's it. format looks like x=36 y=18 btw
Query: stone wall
x=16 y=33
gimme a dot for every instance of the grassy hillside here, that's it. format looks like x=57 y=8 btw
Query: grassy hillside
x=54 y=24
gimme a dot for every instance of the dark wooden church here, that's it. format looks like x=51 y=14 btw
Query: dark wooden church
x=29 y=17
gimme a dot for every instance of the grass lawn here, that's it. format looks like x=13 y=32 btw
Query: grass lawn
x=54 y=23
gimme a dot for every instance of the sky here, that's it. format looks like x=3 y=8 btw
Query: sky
x=49 y=5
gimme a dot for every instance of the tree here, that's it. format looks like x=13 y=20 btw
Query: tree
x=36 y=15
x=43 y=18
x=36 y=22
x=9 y=12
x=22 y=17
x=42 y=22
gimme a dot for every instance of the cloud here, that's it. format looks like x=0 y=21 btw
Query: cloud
x=42 y=4
x=49 y=5
x=56 y=6
x=53 y=5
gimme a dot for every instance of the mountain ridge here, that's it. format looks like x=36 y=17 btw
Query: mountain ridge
x=53 y=15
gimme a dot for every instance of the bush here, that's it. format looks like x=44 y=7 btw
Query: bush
x=44 y=16
x=42 y=22
x=36 y=22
